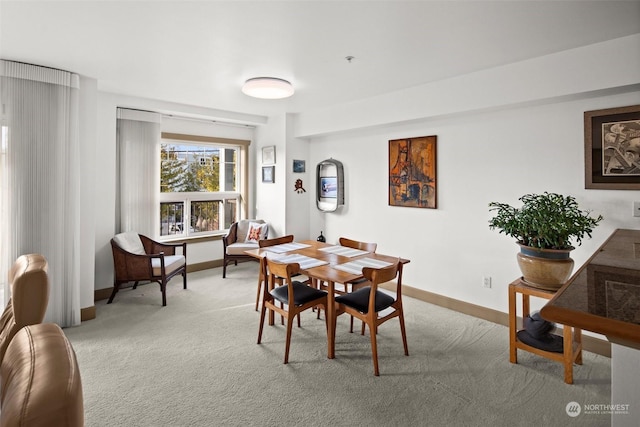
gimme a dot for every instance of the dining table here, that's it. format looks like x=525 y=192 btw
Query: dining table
x=327 y=263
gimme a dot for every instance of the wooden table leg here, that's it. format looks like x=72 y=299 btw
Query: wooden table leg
x=568 y=353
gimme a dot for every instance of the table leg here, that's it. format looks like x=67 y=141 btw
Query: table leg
x=331 y=319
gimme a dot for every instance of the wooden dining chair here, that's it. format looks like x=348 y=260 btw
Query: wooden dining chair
x=295 y=296
x=364 y=246
x=367 y=302
x=263 y=244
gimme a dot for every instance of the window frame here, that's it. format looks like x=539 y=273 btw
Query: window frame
x=240 y=196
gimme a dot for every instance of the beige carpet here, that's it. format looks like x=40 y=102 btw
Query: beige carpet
x=195 y=362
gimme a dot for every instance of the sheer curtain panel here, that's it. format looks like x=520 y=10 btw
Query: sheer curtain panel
x=139 y=172
x=40 y=200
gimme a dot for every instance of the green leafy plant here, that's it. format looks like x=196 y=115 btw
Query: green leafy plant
x=545 y=221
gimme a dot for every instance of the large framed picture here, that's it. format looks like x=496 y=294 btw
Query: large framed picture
x=412 y=172
x=612 y=148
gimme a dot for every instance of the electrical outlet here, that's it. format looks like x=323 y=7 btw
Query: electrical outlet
x=486 y=282
x=636 y=208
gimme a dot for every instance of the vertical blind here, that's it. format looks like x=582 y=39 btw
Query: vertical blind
x=40 y=198
x=139 y=171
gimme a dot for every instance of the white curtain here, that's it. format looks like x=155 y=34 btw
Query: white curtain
x=139 y=134
x=40 y=203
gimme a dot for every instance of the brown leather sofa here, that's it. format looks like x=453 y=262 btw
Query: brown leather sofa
x=29 y=283
x=40 y=380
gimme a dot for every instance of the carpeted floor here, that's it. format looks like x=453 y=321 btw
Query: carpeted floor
x=195 y=362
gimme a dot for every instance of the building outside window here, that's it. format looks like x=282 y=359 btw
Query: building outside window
x=201 y=185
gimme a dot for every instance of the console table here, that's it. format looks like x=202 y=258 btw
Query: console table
x=572 y=337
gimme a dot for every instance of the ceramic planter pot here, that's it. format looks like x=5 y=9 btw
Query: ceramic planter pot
x=545 y=268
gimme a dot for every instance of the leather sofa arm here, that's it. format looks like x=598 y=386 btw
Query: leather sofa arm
x=41 y=383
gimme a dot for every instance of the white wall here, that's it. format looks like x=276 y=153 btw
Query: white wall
x=270 y=197
x=493 y=156
x=502 y=133
x=88 y=195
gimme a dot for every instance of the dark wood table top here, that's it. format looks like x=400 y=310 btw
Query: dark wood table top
x=603 y=296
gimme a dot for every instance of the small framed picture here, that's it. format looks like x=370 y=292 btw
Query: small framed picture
x=269 y=155
x=299 y=166
x=268 y=174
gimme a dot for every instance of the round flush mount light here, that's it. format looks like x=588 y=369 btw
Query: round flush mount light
x=267 y=88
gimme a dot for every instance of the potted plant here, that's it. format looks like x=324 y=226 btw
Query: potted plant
x=545 y=227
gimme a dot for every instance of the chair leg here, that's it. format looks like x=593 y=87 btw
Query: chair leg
x=404 y=333
x=262 y=315
x=288 y=344
x=224 y=269
x=259 y=292
x=135 y=285
x=374 y=349
x=184 y=279
x=163 y=289
x=362 y=329
x=116 y=288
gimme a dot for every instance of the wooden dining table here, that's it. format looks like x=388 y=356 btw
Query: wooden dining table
x=327 y=273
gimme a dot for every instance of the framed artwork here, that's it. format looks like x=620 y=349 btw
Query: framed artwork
x=269 y=155
x=612 y=148
x=412 y=172
x=299 y=166
x=268 y=174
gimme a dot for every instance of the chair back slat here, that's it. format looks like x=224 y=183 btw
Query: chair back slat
x=364 y=246
x=275 y=241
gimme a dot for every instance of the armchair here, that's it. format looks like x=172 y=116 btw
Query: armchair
x=242 y=236
x=138 y=258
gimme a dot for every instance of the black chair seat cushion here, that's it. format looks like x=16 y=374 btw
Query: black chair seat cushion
x=302 y=293
x=360 y=300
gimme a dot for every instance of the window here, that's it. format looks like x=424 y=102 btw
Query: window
x=201 y=184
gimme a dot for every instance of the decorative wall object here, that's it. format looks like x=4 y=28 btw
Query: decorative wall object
x=299 y=187
x=412 y=172
x=329 y=185
x=268 y=174
x=612 y=148
x=299 y=166
x=269 y=155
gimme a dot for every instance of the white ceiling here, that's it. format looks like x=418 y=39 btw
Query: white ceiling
x=199 y=53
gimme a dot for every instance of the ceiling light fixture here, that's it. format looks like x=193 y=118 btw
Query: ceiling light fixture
x=267 y=88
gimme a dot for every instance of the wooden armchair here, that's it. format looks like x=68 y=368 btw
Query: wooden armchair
x=238 y=240
x=137 y=258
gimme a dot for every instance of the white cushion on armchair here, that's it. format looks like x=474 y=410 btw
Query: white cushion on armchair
x=241 y=244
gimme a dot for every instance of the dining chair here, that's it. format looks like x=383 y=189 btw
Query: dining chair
x=355 y=284
x=263 y=244
x=296 y=296
x=367 y=302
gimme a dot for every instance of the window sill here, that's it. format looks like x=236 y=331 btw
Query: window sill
x=195 y=239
